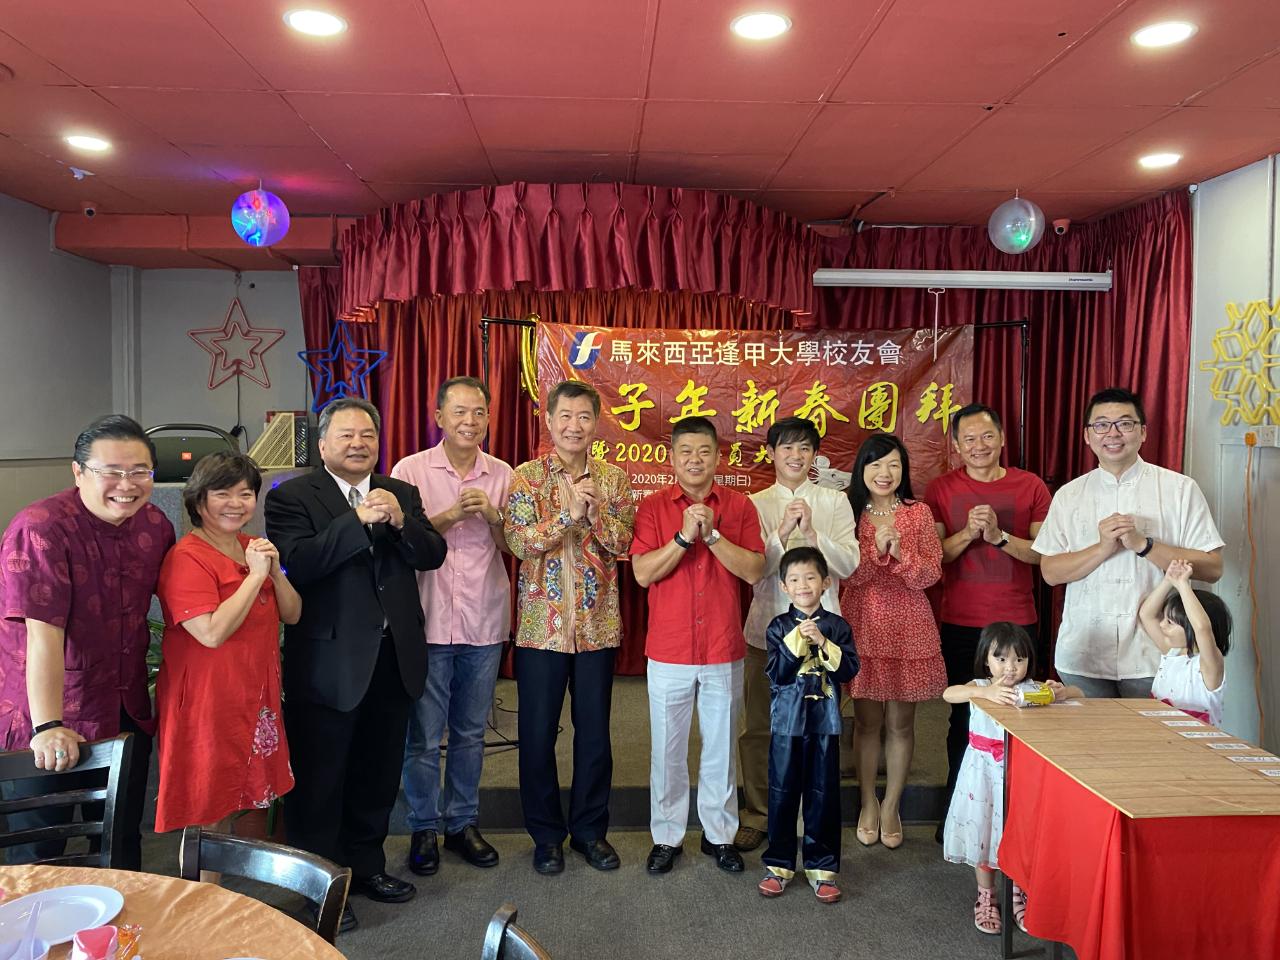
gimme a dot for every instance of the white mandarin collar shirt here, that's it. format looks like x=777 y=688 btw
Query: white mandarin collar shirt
x=1100 y=635
x=837 y=539
x=362 y=486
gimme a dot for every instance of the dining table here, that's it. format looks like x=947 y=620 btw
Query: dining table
x=180 y=919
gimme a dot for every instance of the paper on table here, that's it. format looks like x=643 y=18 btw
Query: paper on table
x=1228 y=746
x=1183 y=723
x=1161 y=713
x=1259 y=759
x=1269 y=771
x=1203 y=734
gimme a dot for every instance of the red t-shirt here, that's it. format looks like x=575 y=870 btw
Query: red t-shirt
x=695 y=611
x=985 y=584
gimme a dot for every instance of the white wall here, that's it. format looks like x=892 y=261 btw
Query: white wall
x=55 y=338
x=175 y=371
x=1235 y=223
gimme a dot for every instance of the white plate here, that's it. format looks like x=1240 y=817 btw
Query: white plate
x=65 y=911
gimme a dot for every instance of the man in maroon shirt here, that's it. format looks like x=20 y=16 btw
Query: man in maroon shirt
x=987 y=515
x=694 y=541
x=78 y=570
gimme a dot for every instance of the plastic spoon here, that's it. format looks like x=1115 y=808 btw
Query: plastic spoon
x=26 y=949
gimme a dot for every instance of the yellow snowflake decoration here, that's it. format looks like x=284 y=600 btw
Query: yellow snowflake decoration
x=1246 y=356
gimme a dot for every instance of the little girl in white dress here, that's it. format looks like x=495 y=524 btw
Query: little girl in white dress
x=1192 y=628
x=975 y=818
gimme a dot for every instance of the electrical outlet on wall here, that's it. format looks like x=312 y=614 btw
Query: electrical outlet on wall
x=1262 y=436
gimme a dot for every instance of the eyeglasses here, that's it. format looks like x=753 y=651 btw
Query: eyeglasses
x=1103 y=427
x=136 y=476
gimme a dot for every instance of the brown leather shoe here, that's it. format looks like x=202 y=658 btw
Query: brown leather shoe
x=748 y=838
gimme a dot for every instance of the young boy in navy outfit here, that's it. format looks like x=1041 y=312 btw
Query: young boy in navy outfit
x=810 y=656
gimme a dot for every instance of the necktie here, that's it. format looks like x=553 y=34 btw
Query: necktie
x=354 y=498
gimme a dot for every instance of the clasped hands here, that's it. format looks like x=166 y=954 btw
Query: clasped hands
x=381 y=506
x=1121 y=530
x=699 y=521
x=797 y=515
x=889 y=540
x=262 y=557
x=983 y=523
x=474 y=502
x=584 y=500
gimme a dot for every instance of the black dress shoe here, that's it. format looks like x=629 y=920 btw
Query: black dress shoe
x=662 y=858
x=548 y=858
x=471 y=847
x=599 y=853
x=345 y=925
x=727 y=856
x=424 y=855
x=384 y=888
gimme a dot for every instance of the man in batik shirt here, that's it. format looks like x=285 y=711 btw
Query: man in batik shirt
x=568 y=519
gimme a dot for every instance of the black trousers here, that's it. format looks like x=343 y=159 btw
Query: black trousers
x=128 y=806
x=959 y=647
x=346 y=768
x=804 y=769
x=541 y=679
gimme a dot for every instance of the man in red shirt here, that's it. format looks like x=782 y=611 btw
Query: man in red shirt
x=987 y=515
x=694 y=541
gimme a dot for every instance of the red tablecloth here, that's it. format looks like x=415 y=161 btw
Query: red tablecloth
x=1116 y=888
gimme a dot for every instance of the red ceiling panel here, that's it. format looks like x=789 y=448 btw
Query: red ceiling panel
x=722 y=128
x=707 y=171
x=389 y=46
x=406 y=139
x=55 y=191
x=1207 y=139
x=208 y=197
x=147 y=156
x=1019 y=146
x=145 y=43
x=942 y=37
x=246 y=118
x=404 y=192
x=1108 y=69
x=697 y=57
x=872 y=147
x=601 y=126
x=814 y=204
x=345 y=197
x=29 y=66
x=1258 y=86
x=272 y=165
x=924 y=206
x=539 y=167
x=27 y=109
x=552 y=48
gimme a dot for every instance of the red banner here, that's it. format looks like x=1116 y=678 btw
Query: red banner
x=850 y=383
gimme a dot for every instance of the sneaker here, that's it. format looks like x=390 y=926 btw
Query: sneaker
x=1020 y=907
x=827 y=891
x=771 y=886
x=986 y=912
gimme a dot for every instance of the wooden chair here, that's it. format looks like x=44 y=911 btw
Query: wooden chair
x=321 y=881
x=504 y=940
x=59 y=792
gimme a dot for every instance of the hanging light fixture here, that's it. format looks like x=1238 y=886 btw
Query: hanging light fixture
x=1016 y=225
x=259 y=218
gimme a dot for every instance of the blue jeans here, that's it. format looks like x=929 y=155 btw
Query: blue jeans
x=459 y=693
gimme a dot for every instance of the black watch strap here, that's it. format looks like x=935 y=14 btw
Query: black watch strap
x=1147 y=549
x=681 y=542
x=47 y=725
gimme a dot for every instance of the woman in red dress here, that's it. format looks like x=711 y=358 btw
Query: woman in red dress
x=893 y=627
x=223 y=594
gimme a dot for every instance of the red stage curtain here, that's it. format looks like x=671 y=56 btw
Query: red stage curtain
x=1137 y=336
x=571 y=237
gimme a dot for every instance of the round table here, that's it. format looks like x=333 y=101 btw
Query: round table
x=180 y=918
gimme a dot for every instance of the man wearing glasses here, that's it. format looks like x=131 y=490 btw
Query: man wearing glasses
x=78 y=574
x=1109 y=537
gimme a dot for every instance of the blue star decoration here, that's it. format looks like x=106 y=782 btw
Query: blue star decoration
x=343 y=368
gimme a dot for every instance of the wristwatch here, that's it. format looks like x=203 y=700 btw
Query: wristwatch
x=712 y=538
x=502 y=517
x=681 y=542
x=1147 y=549
x=1004 y=541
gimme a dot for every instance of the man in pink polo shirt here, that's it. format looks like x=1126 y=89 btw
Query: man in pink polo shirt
x=695 y=543
x=467 y=602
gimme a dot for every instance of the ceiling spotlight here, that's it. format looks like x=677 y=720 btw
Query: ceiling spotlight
x=1154 y=161
x=315 y=23
x=760 y=26
x=1164 y=34
x=84 y=142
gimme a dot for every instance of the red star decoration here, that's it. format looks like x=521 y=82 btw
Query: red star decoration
x=236 y=347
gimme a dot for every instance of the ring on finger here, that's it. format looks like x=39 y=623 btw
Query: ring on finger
x=59 y=754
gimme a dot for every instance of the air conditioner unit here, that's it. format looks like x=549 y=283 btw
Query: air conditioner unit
x=285 y=441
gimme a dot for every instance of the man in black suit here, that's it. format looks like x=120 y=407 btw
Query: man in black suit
x=350 y=541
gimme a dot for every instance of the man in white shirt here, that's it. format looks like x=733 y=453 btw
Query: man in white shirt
x=1109 y=536
x=794 y=512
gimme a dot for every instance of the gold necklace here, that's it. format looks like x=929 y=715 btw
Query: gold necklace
x=885 y=513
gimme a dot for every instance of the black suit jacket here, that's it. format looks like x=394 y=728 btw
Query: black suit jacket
x=348 y=590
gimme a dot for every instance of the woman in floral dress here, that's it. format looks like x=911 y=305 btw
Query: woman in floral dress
x=223 y=595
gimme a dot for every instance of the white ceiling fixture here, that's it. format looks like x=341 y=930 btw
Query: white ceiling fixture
x=1164 y=34
x=83 y=141
x=760 y=26
x=962 y=279
x=1156 y=161
x=315 y=23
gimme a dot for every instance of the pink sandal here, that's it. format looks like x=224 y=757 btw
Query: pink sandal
x=1020 y=907
x=986 y=912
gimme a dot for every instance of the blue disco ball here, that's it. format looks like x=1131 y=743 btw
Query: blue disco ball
x=260 y=218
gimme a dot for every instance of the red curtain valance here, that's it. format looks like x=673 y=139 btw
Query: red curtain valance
x=599 y=236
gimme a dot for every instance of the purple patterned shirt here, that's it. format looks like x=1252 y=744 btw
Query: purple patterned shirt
x=64 y=566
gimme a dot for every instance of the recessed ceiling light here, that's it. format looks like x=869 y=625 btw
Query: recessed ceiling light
x=760 y=26
x=83 y=142
x=1154 y=161
x=315 y=23
x=1164 y=34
